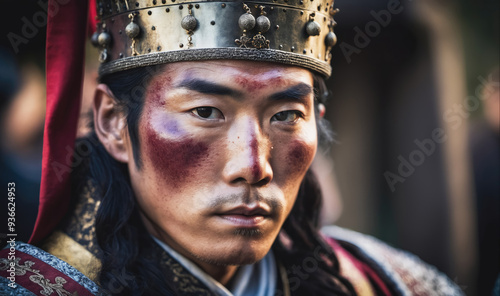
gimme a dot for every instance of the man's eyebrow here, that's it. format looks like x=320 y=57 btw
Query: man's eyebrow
x=297 y=92
x=207 y=87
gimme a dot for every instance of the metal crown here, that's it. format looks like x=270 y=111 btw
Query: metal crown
x=132 y=34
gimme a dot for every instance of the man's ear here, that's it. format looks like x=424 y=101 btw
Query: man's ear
x=110 y=124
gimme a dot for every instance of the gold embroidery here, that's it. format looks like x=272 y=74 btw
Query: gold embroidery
x=48 y=287
x=81 y=226
x=185 y=282
x=65 y=248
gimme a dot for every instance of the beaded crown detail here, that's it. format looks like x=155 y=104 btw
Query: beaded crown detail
x=135 y=33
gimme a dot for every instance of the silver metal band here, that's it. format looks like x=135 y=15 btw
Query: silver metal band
x=200 y=54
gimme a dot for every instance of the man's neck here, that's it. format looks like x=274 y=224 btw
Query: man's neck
x=221 y=273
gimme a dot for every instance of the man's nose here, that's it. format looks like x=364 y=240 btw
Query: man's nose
x=249 y=151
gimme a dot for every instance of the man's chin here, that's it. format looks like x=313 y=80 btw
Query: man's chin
x=236 y=257
x=249 y=232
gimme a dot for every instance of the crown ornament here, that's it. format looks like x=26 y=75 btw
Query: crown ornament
x=135 y=33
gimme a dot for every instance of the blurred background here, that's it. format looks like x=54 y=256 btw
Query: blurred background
x=414 y=105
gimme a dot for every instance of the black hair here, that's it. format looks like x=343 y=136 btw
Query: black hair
x=126 y=245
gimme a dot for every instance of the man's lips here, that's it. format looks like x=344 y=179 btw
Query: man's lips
x=247 y=211
x=244 y=216
x=244 y=221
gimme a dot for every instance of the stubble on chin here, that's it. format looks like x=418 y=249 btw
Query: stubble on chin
x=245 y=232
x=243 y=256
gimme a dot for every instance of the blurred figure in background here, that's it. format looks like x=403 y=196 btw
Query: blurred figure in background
x=22 y=112
x=485 y=153
x=22 y=118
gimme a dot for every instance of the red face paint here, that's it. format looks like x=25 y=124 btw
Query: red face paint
x=256 y=169
x=257 y=84
x=176 y=161
x=157 y=90
x=299 y=157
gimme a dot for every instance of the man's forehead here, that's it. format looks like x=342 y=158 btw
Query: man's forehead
x=247 y=74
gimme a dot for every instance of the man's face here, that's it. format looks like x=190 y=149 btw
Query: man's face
x=224 y=148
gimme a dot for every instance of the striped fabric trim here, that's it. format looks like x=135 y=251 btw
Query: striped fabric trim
x=44 y=274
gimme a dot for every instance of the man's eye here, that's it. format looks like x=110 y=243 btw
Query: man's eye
x=287 y=116
x=208 y=113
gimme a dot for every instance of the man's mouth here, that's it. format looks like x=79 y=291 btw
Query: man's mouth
x=244 y=216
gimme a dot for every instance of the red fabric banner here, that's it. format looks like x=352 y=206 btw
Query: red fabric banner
x=65 y=50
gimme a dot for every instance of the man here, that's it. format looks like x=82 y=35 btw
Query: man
x=196 y=177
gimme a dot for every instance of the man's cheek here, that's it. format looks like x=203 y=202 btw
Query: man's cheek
x=175 y=162
x=299 y=157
